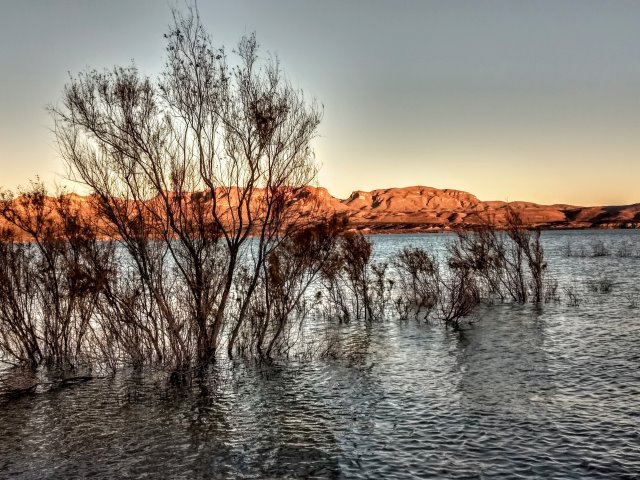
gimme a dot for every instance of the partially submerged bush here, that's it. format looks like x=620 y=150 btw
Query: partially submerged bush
x=599 y=249
x=600 y=285
x=596 y=248
x=573 y=297
x=551 y=290
x=282 y=303
x=507 y=264
x=633 y=299
x=425 y=289
x=356 y=287
x=49 y=287
x=458 y=297
x=20 y=317
x=482 y=264
x=418 y=279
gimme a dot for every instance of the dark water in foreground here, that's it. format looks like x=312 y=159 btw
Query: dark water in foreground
x=520 y=393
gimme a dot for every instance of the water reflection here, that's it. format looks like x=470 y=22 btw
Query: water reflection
x=508 y=353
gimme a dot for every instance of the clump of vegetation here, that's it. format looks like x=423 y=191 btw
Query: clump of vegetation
x=185 y=171
x=551 y=294
x=600 y=285
x=633 y=299
x=282 y=303
x=197 y=178
x=48 y=284
x=573 y=297
x=571 y=250
x=624 y=250
x=507 y=264
x=459 y=295
x=482 y=264
x=356 y=287
x=419 y=281
x=627 y=249
x=599 y=249
x=429 y=292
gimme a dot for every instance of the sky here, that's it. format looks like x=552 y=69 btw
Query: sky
x=509 y=100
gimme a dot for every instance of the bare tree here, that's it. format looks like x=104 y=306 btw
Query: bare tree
x=418 y=278
x=507 y=264
x=289 y=272
x=49 y=289
x=201 y=160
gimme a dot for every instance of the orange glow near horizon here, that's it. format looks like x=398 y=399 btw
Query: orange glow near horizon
x=533 y=101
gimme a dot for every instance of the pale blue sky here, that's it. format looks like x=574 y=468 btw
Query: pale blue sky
x=530 y=100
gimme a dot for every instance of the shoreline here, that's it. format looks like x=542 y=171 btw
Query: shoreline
x=388 y=229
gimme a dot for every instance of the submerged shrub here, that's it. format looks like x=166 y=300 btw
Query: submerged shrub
x=418 y=280
x=20 y=331
x=482 y=263
x=427 y=291
x=573 y=298
x=458 y=297
x=186 y=169
x=347 y=279
x=282 y=302
x=599 y=249
x=571 y=250
x=50 y=288
x=507 y=264
x=600 y=285
x=551 y=290
x=633 y=299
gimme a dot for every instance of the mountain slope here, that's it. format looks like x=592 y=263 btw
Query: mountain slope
x=420 y=208
x=426 y=208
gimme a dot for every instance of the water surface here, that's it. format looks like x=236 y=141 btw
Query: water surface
x=521 y=392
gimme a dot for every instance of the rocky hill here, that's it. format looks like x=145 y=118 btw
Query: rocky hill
x=420 y=209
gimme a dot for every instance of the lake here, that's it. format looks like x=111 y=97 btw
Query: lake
x=519 y=392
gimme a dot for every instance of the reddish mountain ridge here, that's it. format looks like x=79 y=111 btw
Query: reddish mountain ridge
x=423 y=209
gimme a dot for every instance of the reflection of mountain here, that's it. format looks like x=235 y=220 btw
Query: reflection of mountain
x=430 y=209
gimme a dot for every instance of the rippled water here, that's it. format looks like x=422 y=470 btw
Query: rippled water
x=520 y=393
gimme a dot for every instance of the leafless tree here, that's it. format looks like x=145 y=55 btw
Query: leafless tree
x=418 y=274
x=508 y=263
x=19 y=329
x=198 y=161
x=450 y=295
x=289 y=272
x=49 y=289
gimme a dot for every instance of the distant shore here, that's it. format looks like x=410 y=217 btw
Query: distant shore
x=421 y=209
